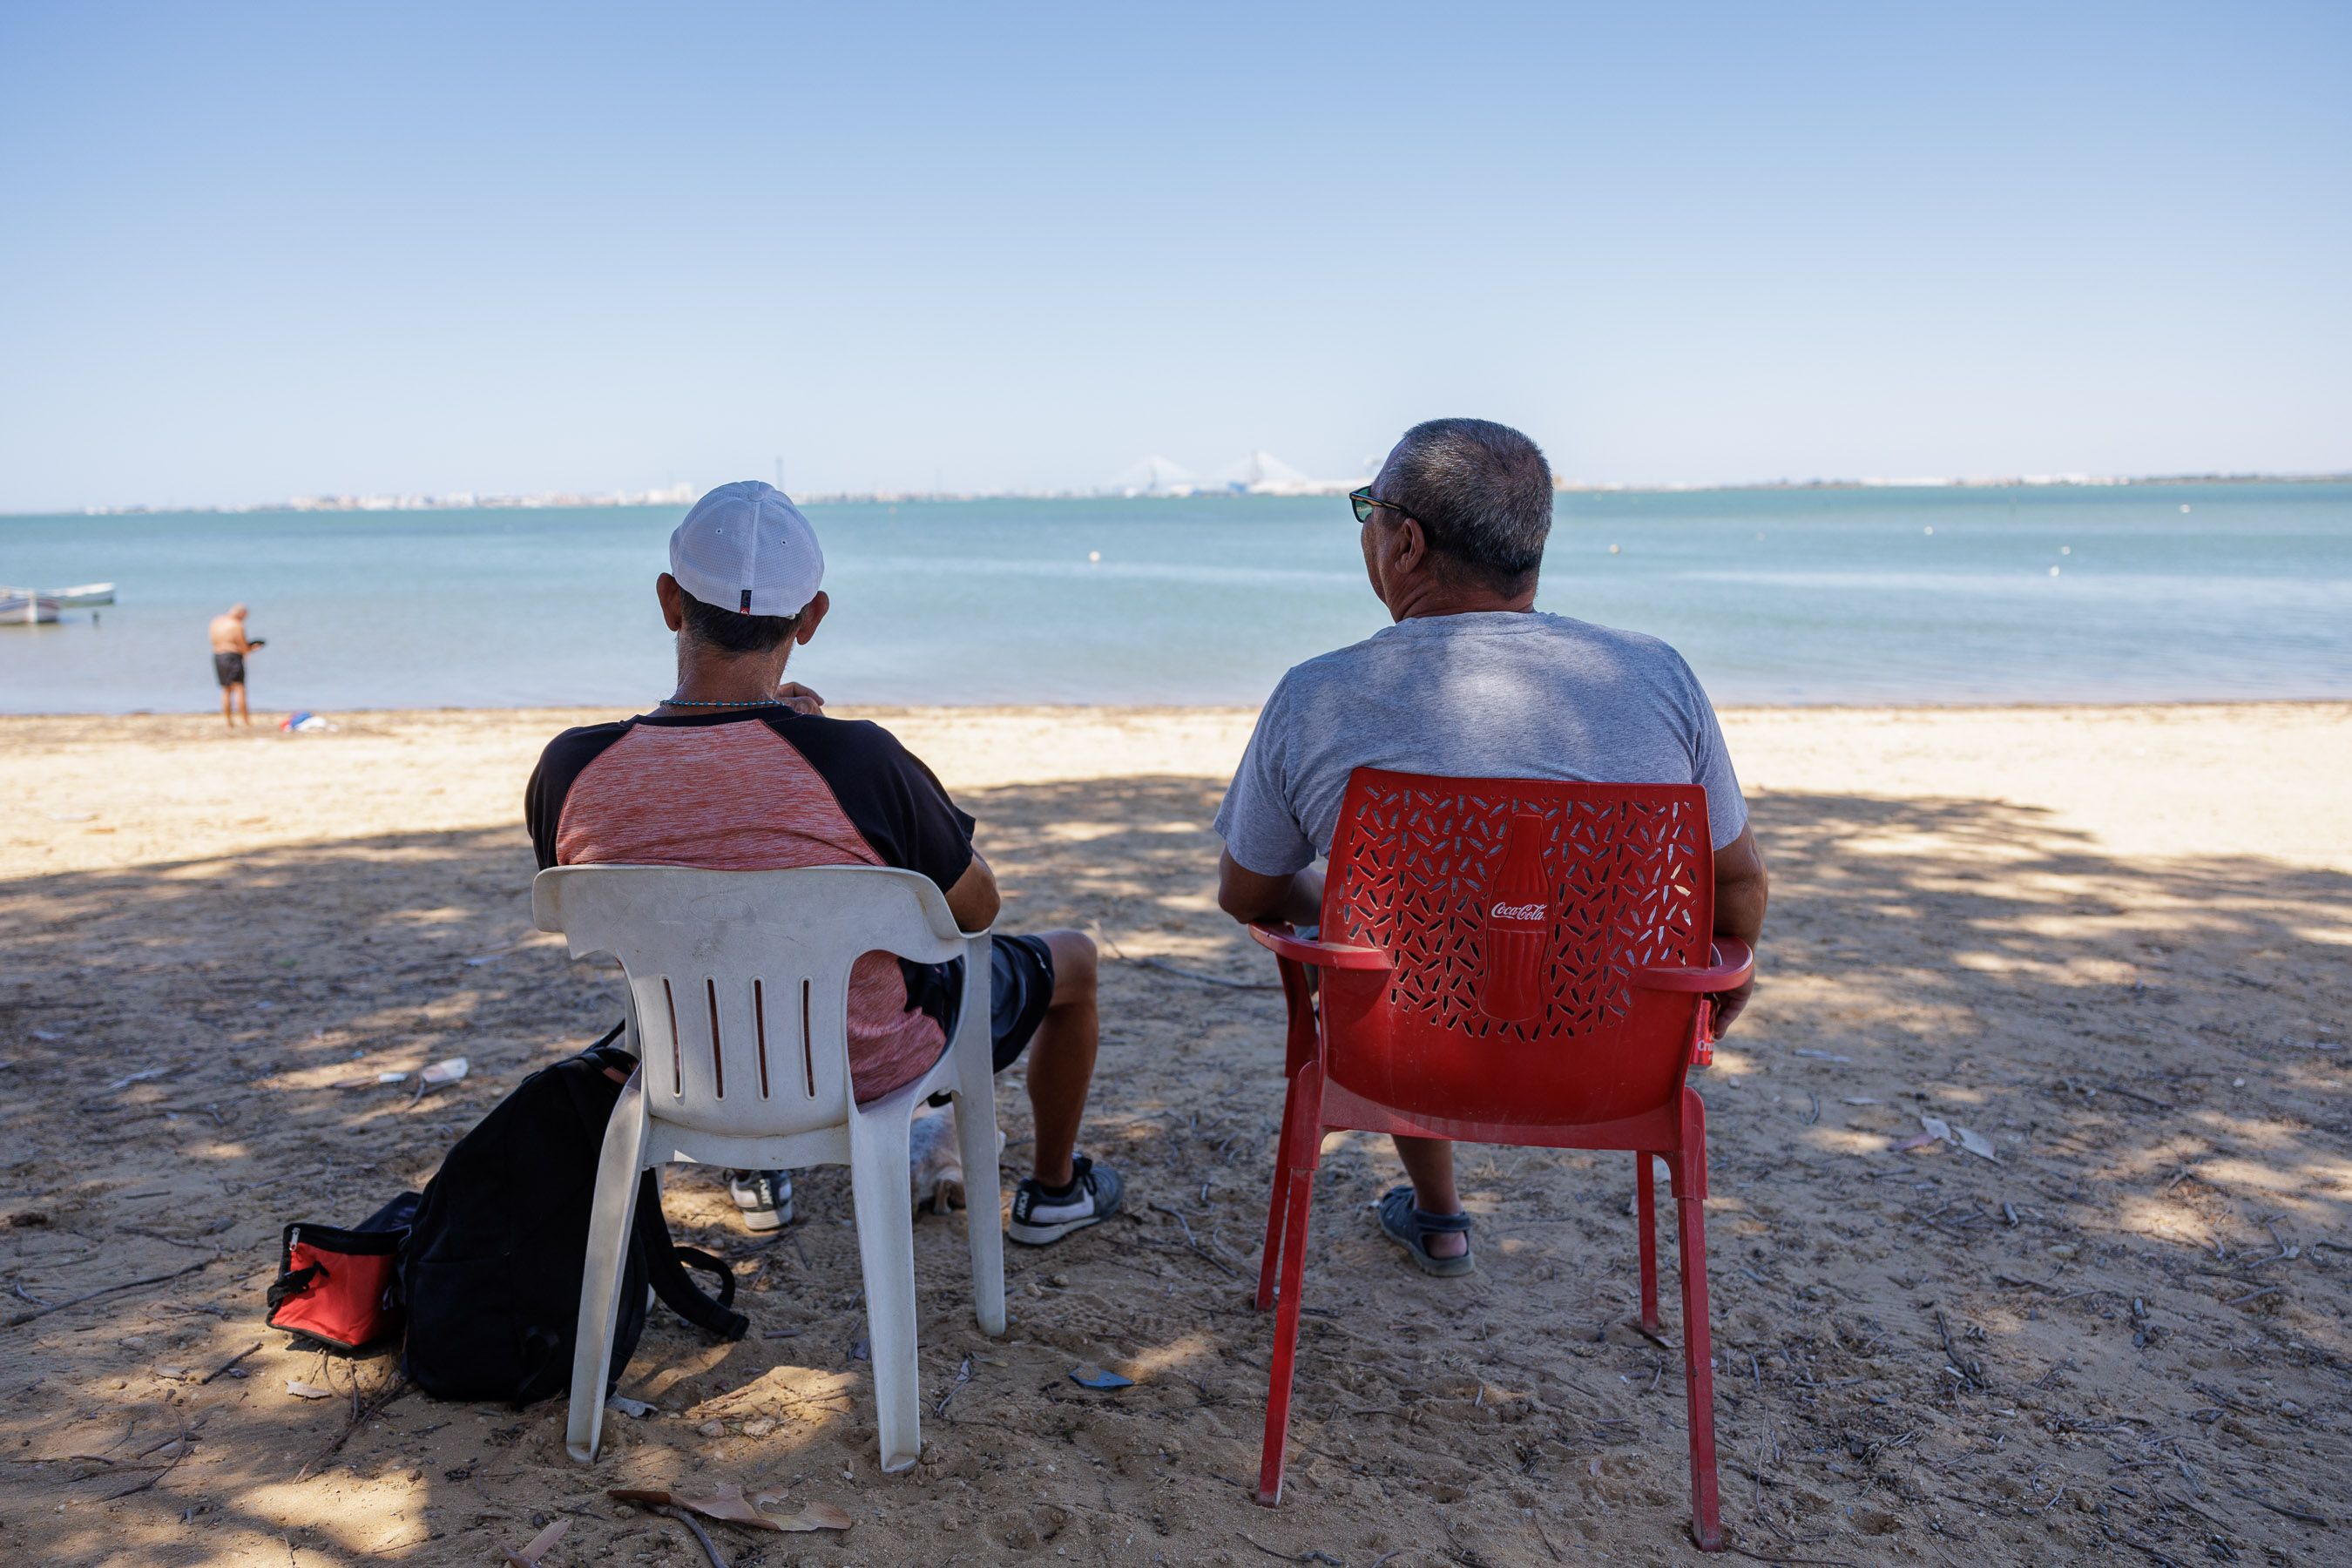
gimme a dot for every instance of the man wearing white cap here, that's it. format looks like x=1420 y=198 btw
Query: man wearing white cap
x=739 y=770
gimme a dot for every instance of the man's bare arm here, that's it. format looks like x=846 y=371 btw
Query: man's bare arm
x=973 y=900
x=1741 y=890
x=1246 y=895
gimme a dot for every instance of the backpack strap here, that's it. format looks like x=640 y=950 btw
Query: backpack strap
x=665 y=1264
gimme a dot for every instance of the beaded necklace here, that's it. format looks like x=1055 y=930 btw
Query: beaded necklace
x=687 y=702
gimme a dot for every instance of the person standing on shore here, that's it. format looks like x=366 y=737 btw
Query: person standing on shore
x=230 y=645
x=1472 y=681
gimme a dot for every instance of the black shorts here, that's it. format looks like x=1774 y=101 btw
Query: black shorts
x=228 y=669
x=1020 y=989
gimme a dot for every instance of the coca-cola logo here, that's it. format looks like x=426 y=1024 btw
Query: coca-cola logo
x=1516 y=912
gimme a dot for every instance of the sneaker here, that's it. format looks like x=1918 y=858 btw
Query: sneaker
x=764 y=1196
x=1041 y=1214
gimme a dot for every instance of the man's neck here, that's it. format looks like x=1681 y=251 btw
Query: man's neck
x=1438 y=598
x=703 y=678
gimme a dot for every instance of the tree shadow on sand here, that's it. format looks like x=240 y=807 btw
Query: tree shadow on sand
x=2129 y=1332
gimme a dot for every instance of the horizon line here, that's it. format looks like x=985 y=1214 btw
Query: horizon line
x=685 y=495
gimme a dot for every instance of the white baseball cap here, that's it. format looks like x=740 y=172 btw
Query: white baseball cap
x=745 y=547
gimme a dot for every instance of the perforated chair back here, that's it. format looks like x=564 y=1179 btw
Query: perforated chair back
x=1628 y=879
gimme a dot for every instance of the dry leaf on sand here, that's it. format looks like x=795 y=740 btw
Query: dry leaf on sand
x=541 y=1545
x=732 y=1505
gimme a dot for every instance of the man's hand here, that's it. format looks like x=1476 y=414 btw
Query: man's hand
x=1729 y=1005
x=799 y=697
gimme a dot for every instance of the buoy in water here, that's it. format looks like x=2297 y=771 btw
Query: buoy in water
x=2054 y=571
x=1928 y=532
x=2066 y=550
x=2184 y=506
x=1612 y=550
x=1094 y=555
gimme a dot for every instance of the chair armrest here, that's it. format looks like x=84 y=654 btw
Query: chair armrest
x=1318 y=954
x=1733 y=963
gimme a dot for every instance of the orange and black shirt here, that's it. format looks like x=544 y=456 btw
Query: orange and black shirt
x=763 y=790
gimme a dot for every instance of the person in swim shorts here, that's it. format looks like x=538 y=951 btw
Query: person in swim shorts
x=230 y=645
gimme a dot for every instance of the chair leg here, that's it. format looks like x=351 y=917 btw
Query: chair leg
x=1301 y=1153
x=983 y=1223
x=886 y=1247
x=1698 y=1373
x=1300 y=1198
x=1646 y=1217
x=1271 y=1258
x=612 y=1208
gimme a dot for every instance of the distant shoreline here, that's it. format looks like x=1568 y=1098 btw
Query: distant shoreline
x=581 y=713
x=679 y=497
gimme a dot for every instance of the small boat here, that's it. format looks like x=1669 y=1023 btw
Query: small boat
x=81 y=598
x=23 y=607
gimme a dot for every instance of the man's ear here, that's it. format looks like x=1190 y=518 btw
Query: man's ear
x=1411 y=546
x=672 y=601
x=810 y=616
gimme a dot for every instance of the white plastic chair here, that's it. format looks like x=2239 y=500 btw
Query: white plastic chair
x=738 y=1006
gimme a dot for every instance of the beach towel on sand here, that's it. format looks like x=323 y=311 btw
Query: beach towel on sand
x=491 y=1269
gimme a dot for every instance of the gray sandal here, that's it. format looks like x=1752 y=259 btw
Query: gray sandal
x=1403 y=1224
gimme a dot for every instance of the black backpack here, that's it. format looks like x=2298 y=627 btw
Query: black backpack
x=491 y=1268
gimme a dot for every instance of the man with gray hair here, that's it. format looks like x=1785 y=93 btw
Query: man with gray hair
x=1471 y=681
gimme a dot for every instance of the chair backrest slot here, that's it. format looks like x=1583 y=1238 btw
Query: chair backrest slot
x=717 y=1056
x=677 y=1062
x=808 y=1059
x=760 y=1029
x=696 y=945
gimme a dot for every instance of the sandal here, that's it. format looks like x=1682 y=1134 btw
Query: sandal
x=1403 y=1224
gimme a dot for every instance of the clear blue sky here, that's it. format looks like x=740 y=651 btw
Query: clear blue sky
x=251 y=251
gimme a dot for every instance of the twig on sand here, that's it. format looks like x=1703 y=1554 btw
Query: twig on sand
x=228 y=1364
x=1310 y=1555
x=21 y=1318
x=710 y=1547
x=962 y=1376
x=2298 y=1515
x=360 y=1412
x=1164 y=967
x=186 y=1440
x=1783 y=1557
x=1193 y=1242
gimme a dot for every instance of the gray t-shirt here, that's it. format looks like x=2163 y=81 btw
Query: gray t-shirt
x=1496 y=694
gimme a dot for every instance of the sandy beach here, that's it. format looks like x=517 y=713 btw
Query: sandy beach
x=2115 y=942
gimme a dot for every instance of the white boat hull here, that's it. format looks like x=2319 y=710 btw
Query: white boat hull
x=27 y=609
x=83 y=597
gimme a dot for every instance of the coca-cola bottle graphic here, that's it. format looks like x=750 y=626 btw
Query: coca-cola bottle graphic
x=1517 y=924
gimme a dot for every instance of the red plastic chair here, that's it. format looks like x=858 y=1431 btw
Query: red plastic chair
x=1397 y=1032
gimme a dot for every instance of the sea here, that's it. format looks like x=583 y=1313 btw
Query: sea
x=1928 y=595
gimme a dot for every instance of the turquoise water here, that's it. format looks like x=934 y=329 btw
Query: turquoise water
x=1774 y=595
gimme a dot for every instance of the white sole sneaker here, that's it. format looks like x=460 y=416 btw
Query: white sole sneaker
x=1036 y=1223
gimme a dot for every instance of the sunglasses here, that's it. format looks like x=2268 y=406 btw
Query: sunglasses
x=1364 y=501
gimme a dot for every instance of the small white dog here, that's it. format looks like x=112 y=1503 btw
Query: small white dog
x=936 y=1160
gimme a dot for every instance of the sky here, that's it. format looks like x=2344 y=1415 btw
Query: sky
x=248 y=252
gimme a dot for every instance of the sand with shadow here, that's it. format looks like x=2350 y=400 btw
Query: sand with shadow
x=2117 y=943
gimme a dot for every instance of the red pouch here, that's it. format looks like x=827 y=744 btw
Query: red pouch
x=341 y=1287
